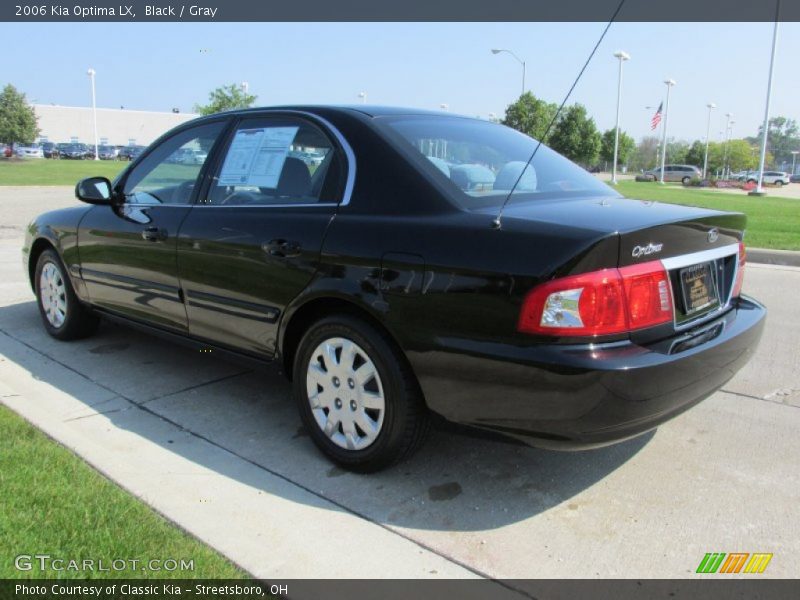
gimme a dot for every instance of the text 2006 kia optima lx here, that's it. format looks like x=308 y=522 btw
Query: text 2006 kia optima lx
x=362 y=250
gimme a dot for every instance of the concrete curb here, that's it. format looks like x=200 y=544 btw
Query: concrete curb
x=785 y=258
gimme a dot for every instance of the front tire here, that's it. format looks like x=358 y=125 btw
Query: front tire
x=357 y=395
x=63 y=315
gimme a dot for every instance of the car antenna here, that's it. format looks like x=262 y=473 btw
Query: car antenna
x=497 y=222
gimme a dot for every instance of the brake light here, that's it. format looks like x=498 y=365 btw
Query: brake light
x=737 y=286
x=604 y=302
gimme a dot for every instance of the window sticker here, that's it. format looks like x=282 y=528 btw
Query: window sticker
x=256 y=157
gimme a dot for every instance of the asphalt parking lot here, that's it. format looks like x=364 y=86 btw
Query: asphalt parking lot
x=219 y=449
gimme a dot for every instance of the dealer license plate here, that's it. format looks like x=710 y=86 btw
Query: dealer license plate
x=699 y=288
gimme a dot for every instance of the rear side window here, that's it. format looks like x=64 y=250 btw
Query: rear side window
x=277 y=160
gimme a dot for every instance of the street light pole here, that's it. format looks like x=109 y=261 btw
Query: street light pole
x=669 y=83
x=519 y=60
x=91 y=74
x=363 y=96
x=727 y=148
x=794 y=160
x=726 y=138
x=711 y=106
x=622 y=56
x=759 y=191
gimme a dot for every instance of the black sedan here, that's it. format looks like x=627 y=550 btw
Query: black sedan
x=130 y=152
x=77 y=151
x=422 y=270
x=50 y=150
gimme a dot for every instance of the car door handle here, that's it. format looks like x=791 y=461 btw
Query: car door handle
x=154 y=234
x=282 y=248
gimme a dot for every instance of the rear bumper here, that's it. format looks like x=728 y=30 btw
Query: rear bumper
x=569 y=396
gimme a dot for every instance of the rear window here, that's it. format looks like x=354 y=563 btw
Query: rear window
x=480 y=162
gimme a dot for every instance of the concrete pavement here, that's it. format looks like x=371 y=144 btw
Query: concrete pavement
x=220 y=450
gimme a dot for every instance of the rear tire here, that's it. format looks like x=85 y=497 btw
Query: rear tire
x=779 y=183
x=63 y=315
x=686 y=180
x=361 y=421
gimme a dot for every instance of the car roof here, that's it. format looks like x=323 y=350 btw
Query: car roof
x=364 y=109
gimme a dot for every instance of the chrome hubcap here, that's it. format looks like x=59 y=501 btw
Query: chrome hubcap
x=345 y=393
x=53 y=294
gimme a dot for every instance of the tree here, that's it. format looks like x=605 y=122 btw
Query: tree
x=645 y=155
x=18 y=123
x=625 y=150
x=677 y=152
x=741 y=155
x=784 y=136
x=226 y=97
x=575 y=136
x=530 y=115
x=697 y=154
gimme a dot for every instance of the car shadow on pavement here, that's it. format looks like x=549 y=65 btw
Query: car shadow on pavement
x=454 y=483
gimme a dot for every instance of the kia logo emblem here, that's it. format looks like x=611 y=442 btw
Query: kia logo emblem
x=713 y=235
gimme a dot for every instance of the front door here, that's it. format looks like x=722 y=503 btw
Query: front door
x=253 y=240
x=127 y=251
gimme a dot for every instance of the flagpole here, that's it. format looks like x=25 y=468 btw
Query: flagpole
x=670 y=83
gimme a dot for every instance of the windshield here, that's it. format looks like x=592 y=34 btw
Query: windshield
x=481 y=161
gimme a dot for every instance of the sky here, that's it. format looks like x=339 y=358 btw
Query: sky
x=158 y=66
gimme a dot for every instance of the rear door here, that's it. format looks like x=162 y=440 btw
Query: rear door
x=128 y=251
x=252 y=241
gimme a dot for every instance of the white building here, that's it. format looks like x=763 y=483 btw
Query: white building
x=117 y=127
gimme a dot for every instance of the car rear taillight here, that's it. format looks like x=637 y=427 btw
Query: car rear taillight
x=606 y=302
x=737 y=286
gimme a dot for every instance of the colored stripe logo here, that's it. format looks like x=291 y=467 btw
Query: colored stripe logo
x=734 y=563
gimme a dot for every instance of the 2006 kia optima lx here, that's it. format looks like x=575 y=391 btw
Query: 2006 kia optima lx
x=380 y=276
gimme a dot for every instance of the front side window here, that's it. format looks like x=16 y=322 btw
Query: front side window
x=480 y=162
x=277 y=160
x=167 y=175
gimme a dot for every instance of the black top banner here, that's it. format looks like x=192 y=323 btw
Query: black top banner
x=406 y=10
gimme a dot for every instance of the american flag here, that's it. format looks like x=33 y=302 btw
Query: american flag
x=656 y=117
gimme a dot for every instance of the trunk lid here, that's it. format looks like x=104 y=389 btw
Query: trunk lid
x=647 y=230
x=699 y=248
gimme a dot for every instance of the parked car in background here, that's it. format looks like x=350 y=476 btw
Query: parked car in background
x=681 y=173
x=130 y=152
x=311 y=159
x=28 y=151
x=50 y=150
x=777 y=178
x=795 y=178
x=391 y=292
x=188 y=156
x=77 y=151
x=107 y=153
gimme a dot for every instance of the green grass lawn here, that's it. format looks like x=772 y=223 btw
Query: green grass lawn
x=772 y=222
x=51 y=502
x=35 y=171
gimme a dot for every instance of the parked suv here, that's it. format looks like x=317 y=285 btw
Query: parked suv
x=682 y=173
x=778 y=178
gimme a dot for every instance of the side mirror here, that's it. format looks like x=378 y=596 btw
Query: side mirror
x=94 y=190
